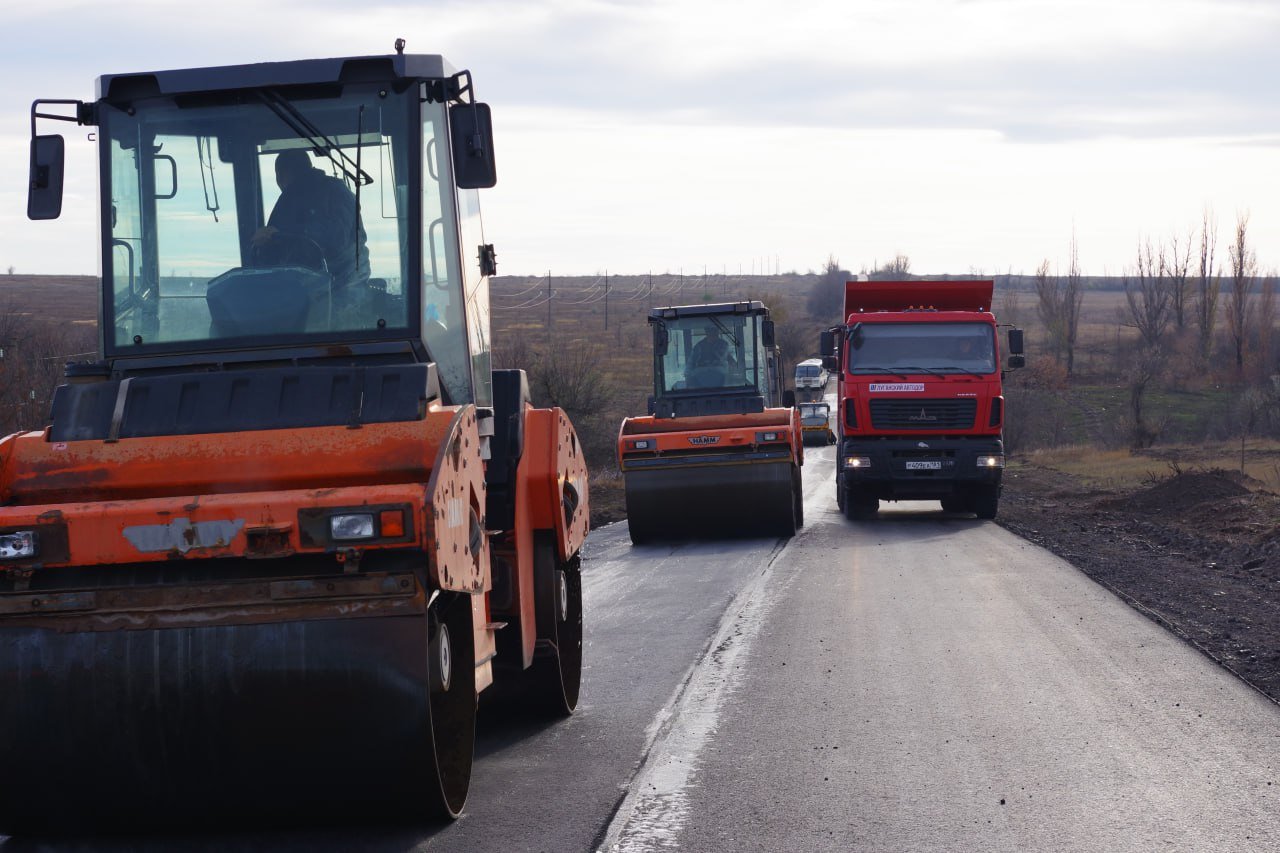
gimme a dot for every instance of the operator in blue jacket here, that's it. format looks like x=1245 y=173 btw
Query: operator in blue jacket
x=317 y=208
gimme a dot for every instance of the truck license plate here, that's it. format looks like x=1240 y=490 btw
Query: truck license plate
x=925 y=465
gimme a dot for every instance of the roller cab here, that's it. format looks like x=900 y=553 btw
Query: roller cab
x=719 y=454
x=274 y=543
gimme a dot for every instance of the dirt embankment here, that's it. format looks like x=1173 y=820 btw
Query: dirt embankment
x=1197 y=551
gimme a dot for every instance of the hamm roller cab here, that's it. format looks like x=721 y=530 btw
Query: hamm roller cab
x=719 y=451
x=274 y=543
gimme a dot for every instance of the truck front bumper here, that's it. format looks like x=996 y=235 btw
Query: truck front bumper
x=919 y=469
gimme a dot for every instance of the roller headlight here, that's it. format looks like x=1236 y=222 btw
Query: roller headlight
x=351 y=526
x=996 y=461
x=18 y=545
x=857 y=462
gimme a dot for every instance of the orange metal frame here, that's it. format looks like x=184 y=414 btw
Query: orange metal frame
x=727 y=431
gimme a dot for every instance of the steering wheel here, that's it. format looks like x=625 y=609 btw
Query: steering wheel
x=706 y=376
x=283 y=249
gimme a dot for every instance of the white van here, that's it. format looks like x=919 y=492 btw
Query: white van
x=811 y=374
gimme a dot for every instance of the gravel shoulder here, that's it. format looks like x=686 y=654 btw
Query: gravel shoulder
x=1197 y=551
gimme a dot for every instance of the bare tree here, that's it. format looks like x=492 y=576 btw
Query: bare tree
x=826 y=299
x=1049 y=306
x=899 y=267
x=1265 y=322
x=1146 y=369
x=32 y=354
x=1244 y=266
x=1179 y=272
x=1010 y=302
x=571 y=377
x=1072 y=300
x=1146 y=292
x=1208 y=284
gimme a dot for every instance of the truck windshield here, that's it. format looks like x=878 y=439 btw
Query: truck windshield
x=713 y=353
x=233 y=221
x=922 y=347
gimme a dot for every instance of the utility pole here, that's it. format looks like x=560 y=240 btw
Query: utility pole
x=548 y=310
x=606 y=300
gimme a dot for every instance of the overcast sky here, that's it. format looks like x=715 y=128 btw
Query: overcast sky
x=636 y=135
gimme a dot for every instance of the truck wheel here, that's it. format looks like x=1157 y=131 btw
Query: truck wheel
x=859 y=506
x=986 y=501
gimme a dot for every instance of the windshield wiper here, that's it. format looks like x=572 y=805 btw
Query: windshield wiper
x=962 y=370
x=722 y=327
x=303 y=127
x=877 y=369
x=911 y=368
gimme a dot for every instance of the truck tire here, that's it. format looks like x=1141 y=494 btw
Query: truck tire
x=986 y=501
x=859 y=506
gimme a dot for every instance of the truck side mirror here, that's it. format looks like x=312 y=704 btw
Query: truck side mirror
x=1015 y=342
x=1016 y=361
x=788 y=399
x=830 y=363
x=44 y=192
x=471 y=132
x=766 y=333
x=827 y=343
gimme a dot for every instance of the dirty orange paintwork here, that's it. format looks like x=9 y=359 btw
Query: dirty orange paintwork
x=34 y=470
x=717 y=433
x=551 y=481
x=241 y=494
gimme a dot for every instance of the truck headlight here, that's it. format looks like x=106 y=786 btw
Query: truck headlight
x=349 y=526
x=991 y=461
x=17 y=545
x=857 y=462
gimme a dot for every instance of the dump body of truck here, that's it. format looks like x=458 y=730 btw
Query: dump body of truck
x=718 y=454
x=272 y=546
x=920 y=408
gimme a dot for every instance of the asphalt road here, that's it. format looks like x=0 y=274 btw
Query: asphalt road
x=920 y=682
x=931 y=682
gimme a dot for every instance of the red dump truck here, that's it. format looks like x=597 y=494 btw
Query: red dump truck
x=920 y=402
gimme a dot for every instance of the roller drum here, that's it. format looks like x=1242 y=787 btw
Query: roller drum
x=275 y=723
x=691 y=501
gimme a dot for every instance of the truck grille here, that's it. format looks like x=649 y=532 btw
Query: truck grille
x=931 y=415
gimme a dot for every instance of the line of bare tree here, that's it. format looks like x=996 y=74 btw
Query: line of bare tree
x=1180 y=302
